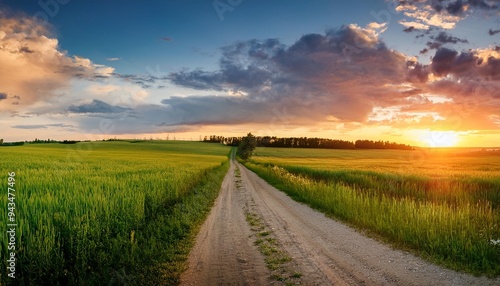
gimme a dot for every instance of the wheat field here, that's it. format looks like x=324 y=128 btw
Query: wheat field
x=108 y=211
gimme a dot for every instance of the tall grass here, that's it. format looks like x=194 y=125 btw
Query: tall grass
x=449 y=220
x=454 y=191
x=110 y=212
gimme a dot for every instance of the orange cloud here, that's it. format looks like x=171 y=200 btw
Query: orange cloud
x=33 y=67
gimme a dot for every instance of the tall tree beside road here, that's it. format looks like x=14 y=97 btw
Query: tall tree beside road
x=246 y=147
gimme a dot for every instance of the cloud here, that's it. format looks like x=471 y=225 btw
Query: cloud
x=84 y=68
x=444 y=38
x=198 y=110
x=413 y=25
x=145 y=81
x=409 y=29
x=492 y=32
x=96 y=106
x=441 y=39
x=42 y=126
x=427 y=18
x=452 y=7
x=445 y=14
x=376 y=28
x=418 y=72
x=340 y=76
x=198 y=79
x=3 y=95
x=34 y=68
x=113 y=59
x=474 y=64
x=102 y=89
x=337 y=76
x=346 y=76
x=470 y=83
x=167 y=39
x=434 y=45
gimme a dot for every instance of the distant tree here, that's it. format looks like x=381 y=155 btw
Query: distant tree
x=247 y=146
x=1 y=141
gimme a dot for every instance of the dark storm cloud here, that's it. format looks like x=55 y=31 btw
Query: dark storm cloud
x=492 y=32
x=96 y=106
x=3 y=95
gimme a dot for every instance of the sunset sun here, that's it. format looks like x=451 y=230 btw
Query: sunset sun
x=440 y=138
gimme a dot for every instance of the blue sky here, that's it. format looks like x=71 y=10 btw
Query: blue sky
x=336 y=69
x=133 y=31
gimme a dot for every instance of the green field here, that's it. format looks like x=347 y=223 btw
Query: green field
x=109 y=213
x=441 y=204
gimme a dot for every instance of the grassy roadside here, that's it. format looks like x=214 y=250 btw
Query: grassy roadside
x=175 y=229
x=457 y=235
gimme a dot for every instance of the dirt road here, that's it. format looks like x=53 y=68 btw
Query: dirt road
x=323 y=251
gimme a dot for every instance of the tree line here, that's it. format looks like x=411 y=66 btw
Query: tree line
x=38 y=141
x=11 y=143
x=305 y=142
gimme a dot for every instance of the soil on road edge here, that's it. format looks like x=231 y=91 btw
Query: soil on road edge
x=323 y=251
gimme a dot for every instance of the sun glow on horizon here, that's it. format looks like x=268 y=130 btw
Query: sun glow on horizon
x=440 y=138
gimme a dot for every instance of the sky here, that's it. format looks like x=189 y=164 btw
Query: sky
x=424 y=73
